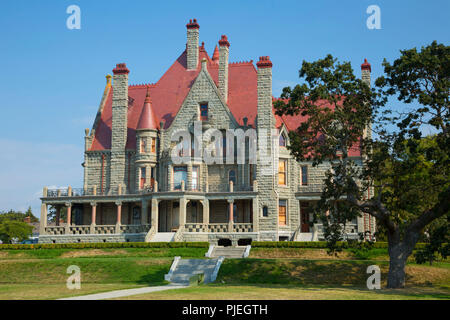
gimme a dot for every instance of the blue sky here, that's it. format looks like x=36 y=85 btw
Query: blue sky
x=52 y=77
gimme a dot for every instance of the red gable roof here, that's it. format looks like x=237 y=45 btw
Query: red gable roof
x=172 y=88
x=170 y=91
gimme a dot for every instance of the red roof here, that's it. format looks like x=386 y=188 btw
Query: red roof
x=147 y=119
x=168 y=94
x=170 y=91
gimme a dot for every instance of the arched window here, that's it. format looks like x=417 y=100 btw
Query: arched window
x=232 y=176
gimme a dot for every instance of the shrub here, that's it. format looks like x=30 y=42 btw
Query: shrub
x=103 y=245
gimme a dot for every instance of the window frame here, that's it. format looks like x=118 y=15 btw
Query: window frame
x=284 y=173
x=142 y=177
x=204 y=108
x=285 y=211
x=304 y=175
x=196 y=170
x=174 y=169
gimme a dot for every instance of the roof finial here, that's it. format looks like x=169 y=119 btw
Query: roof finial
x=147 y=97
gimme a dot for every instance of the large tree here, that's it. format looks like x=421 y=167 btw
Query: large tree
x=410 y=179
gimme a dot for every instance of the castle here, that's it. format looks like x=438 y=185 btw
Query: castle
x=137 y=189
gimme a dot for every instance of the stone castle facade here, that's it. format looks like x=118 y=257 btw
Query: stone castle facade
x=134 y=190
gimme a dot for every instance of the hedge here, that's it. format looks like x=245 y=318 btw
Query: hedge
x=104 y=245
x=316 y=244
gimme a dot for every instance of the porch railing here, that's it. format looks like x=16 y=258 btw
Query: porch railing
x=218 y=227
x=242 y=227
x=135 y=228
x=55 y=230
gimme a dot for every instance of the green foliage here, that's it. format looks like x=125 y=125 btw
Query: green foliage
x=101 y=245
x=409 y=172
x=437 y=246
x=12 y=229
x=17 y=215
x=323 y=244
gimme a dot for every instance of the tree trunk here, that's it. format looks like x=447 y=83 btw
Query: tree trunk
x=399 y=251
x=397 y=263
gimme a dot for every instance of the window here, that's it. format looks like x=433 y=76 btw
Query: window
x=204 y=112
x=251 y=173
x=195 y=171
x=153 y=145
x=232 y=176
x=304 y=173
x=282 y=212
x=265 y=211
x=142 y=175
x=143 y=145
x=179 y=174
x=282 y=172
x=282 y=140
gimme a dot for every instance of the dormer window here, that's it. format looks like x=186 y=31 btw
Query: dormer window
x=203 y=111
x=282 y=140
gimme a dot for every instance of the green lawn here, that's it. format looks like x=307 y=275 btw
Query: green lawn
x=286 y=292
x=283 y=273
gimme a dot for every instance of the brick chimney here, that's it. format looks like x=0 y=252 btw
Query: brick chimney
x=119 y=125
x=192 y=44
x=366 y=69
x=224 y=46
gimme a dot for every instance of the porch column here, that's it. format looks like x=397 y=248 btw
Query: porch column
x=43 y=222
x=93 y=216
x=205 y=204
x=230 y=210
x=119 y=216
x=154 y=217
x=69 y=216
x=182 y=218
x=255 y=217
x=144 y=212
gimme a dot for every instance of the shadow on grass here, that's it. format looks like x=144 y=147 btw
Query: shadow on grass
x=315 y=273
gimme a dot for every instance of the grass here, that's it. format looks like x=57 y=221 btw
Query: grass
x=269 y=273
x=274 y=292
x=42 y=273
x=331 y=273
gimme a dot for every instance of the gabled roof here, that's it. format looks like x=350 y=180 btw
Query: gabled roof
x=170 y=91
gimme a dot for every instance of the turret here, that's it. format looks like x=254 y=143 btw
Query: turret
x=146 y=145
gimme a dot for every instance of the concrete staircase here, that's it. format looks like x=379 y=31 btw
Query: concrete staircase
x=186 y=268
x=228 y=252
x=163 y=237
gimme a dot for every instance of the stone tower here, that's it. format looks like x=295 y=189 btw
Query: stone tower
x=119 y=126
x=267 y=198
